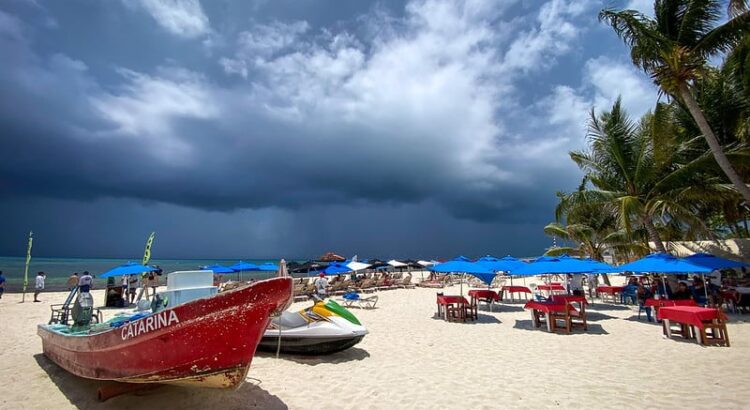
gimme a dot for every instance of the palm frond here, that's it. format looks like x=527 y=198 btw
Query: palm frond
x=725 y=37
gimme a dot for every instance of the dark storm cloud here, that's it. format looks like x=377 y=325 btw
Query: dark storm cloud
x=248 y=108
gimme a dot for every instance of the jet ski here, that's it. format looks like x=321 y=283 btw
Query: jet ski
x=324 y=328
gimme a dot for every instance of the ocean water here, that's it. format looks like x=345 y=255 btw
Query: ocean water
x=59 y=269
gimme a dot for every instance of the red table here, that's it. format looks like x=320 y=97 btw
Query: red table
x=485 y=295
x=446 y=301
x=552 y=287
x=660 y=303
x=514 y=289
x=691 y=315
x=609 y=290
x=539 y=308
x=696 y=317
x=570 y=299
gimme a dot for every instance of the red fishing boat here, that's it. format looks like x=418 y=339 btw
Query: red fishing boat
x=207 y=342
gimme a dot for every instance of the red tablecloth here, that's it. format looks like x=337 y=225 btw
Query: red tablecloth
x=690 y=315
x=545 y=306
x=551 y=287
x=451 y=300
x=484 y=294
x=669 y=302
x=610 y=289
x=516 y=289
x=569 y=299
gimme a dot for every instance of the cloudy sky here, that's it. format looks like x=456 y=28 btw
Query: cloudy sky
x=239 y=128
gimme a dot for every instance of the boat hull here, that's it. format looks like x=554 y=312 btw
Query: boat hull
x=208 y=342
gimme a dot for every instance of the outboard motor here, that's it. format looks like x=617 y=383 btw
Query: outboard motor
x=83 y=309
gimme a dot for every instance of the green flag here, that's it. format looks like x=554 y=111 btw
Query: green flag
x=147 y=252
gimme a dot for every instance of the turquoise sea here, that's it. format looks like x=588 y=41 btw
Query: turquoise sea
x=58 y=269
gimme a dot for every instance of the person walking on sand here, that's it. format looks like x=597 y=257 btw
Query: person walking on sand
x=72 y=281
x=39 y=286
x=2 y=284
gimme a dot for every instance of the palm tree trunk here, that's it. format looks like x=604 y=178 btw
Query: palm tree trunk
x=713 y=143
x=653 y=234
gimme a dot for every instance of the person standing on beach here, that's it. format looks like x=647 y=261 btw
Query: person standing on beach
x=39 y=286
x=125 y=286
x=155 y=279
x=132 y=286
x=2 y=284
x=320 y=285
x=85 y=282
x=72 y=281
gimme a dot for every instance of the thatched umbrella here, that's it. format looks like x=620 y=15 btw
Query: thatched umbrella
x=332 y=257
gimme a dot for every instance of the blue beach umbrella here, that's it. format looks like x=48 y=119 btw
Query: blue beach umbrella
x=547 y=265
x=505 y=264
x=463 y=265
x=268 y=267
x=712 y=261
x=130 y=268
x=336 y=269
x=662 y=263
x=219 y=269
x=243 y=266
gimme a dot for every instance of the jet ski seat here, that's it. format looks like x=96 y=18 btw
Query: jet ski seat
x=289 y=320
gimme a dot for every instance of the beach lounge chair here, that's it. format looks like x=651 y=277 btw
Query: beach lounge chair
x=365 y=286
x=380 y=283
x=406 y=283
x=435 y=283
x=353 y=299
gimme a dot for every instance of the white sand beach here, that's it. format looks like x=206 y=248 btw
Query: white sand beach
x=412 y=360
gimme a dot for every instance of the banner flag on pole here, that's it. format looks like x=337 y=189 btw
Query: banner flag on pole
x=147 y=252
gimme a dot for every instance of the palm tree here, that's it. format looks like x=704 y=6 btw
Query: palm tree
x=593 y=227
x=642 y=173
x=674 y=48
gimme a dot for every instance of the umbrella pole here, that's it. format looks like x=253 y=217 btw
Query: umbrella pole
x=664 y=282
x=705 y=287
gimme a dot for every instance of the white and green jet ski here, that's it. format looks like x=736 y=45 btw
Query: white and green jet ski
x=324 y=328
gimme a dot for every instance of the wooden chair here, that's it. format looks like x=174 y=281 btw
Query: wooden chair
x=471 y=310
x=570 y=317
x=714 y=333
x=455 y=313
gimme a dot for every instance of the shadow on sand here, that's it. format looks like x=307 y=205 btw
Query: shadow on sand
x=593 y=329
x=82 y=393
x=608 y=306
x=481 y=319
x=596 y=316
x=348 y=355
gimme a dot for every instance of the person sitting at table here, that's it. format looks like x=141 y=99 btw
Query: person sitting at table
x=629 y=292
x=699 y=291
x=643 y=294
x=682 y=293
x=662 y=289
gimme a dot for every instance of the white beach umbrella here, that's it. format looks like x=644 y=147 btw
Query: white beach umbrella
x=425 y=263
x=355 y=266
x=396 y=264
x=282 y=269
